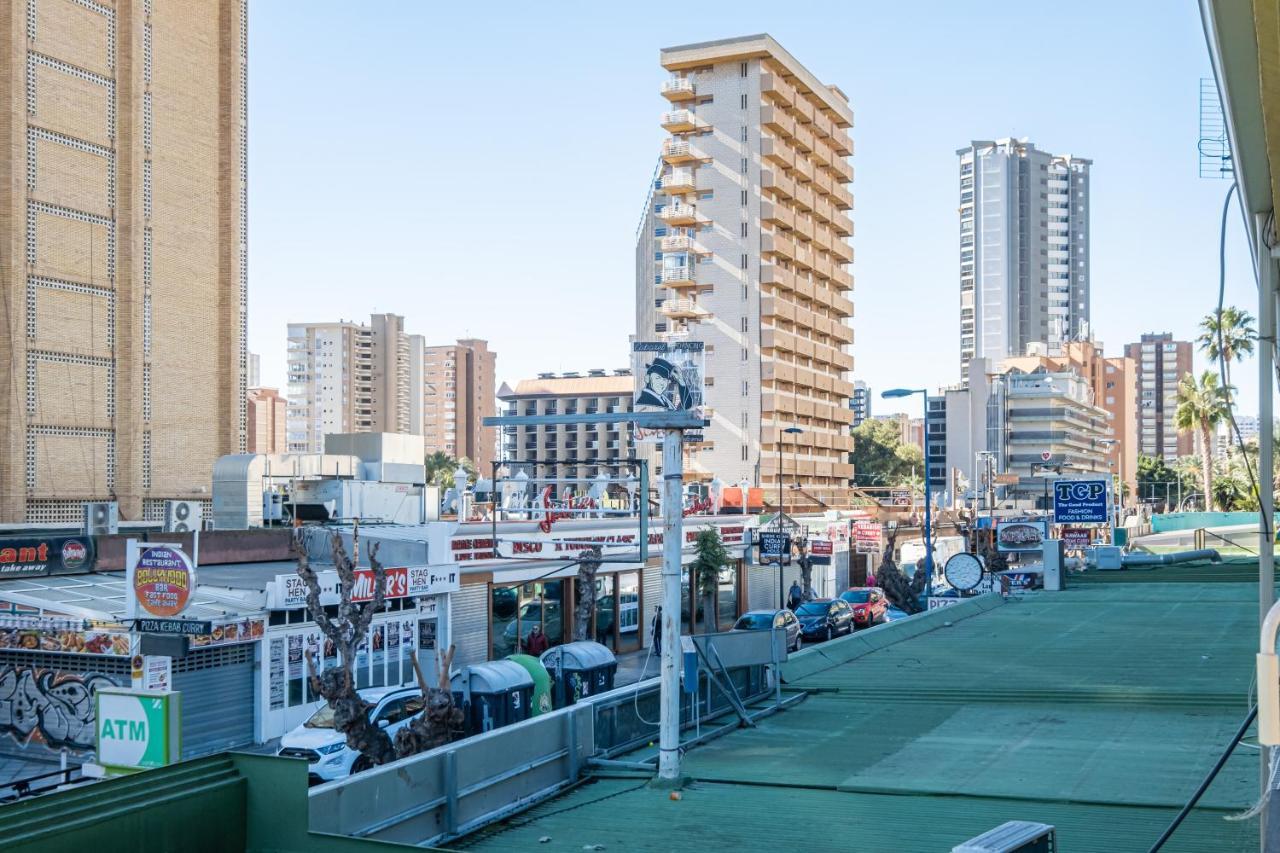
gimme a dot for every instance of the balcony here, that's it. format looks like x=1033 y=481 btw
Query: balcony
x=776 y=120
x=676 y=243
x=677 y=151
x=777 y=152
x=683 y=309
x=678 y=89
x=679 y=213
x=682 y=276
x=679 y=182
x=680 y=121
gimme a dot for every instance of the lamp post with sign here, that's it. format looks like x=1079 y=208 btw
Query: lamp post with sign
x=891 y=394
x=791 y=430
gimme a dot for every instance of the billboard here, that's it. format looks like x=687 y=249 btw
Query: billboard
x=775 y=547
x=1012 y=536
x=39 y=556
x=159 y=580
x=668 y=378
x=1080 y=501
x=866 y=537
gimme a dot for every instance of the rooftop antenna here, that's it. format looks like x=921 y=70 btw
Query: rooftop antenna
x=1213 y=145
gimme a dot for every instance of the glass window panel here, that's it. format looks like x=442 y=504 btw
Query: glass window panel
x=503 y=609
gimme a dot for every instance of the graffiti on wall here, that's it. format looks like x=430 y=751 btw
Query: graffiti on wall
x=49 y=707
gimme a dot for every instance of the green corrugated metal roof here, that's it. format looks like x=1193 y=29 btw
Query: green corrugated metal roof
x=1097 y=709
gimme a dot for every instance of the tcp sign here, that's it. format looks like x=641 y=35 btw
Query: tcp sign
x=1080 y=502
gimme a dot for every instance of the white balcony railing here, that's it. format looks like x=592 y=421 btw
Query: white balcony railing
x=678 y=86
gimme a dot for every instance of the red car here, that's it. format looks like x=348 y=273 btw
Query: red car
x=868 y=603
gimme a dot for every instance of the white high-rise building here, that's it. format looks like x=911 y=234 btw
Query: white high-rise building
x=1024 y=249
x=349 y=377
x=744 y=247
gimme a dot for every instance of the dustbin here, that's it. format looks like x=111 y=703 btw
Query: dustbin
x=1122 y=536
x=541 y=683
x=493 y=694
x=579 y=669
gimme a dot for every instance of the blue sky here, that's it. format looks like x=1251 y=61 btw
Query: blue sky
x=481 y=168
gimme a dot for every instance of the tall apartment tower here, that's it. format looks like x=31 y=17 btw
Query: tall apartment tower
x=459 y=391
x=123 y=365
x=1024 y=249
x=1161 y=363
x=349 y=377
x=744 y=247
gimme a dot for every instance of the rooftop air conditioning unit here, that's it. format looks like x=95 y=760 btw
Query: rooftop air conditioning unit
x=1016 y=836
x=183 y=516
x=101 y=518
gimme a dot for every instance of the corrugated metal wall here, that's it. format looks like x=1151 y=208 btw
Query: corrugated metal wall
x=470 y=619
x=840 y=562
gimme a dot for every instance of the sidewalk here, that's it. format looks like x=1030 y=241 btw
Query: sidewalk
x=632 y=667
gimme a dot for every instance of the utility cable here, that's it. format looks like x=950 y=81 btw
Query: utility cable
x=1204 y=785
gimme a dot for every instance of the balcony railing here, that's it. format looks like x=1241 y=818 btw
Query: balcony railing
x=678 y=277
x=679 y=213
x=679 y=181
x=676 y=243
x=682 y=309
x=680 y=121
x=678 y=89
x=677 y=151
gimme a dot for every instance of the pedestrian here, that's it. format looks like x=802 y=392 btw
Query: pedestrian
x=536 y=643
x=795 y=595
x=656 y=630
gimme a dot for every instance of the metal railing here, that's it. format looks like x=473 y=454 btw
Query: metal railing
x=455 y=789
x=41 y=783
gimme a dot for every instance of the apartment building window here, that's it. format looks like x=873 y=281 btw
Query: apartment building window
x=744 y=229
x=744 y=133
x=744 y=165
x=746 y=388
x=744 y=99
x=743 y=261
x=744 y=292
x=745 y=321
x=744 y=420
x=745 y=449
x=744 y=198
x=746 y=353
x=742 y=69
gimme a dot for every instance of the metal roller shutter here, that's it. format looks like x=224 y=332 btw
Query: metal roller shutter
x=762 y=589
x=469 y=615
x=652 y=599
x=217 y=687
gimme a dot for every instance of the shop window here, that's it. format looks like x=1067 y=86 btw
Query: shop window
x=515 y=613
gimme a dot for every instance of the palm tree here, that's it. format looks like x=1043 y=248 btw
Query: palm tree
x=1202 y=405
x=1227 y=334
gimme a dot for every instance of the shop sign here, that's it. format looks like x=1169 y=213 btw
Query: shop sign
x=159 y=581
x=137 y=729
x=229 y=633
x=181 y=627
x=866 y=537
x=407 y=582
x=937 y=602
x=900 y=497
x=1080 y=501
x=774 y=547
x=820 y=551
x=668 y=378
x=33 y=557
x=1015 y=536
x=1076 y=538
x=538 y=543
x=66 y=641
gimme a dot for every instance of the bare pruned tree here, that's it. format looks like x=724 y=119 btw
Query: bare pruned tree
x=904 y=593
x=441 y=719
x=585 y=589
x=346 y=629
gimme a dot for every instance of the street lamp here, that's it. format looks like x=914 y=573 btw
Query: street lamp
x=793 y=430
x=891 y=394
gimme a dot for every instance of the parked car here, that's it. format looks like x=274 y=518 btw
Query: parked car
x=824 y=618
x=767 y=620
x=868 y=603
x=325 y=750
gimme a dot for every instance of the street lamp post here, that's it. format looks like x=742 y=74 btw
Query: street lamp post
x=782 y=594
x=891 y=394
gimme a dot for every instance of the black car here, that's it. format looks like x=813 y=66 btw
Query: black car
x=824 y=618
x=767 y=620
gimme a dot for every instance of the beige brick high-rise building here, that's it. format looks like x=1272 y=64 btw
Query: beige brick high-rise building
x=744 y=247
x=122 y=252
x=266 y=421
x=459 y=390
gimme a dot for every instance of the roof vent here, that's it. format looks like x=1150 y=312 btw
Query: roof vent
x=595 y=372
x=570 y=375
x=546 y=376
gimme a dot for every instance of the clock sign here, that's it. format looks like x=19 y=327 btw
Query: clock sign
x=963 y=571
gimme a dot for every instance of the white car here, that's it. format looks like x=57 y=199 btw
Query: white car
x=325 y=750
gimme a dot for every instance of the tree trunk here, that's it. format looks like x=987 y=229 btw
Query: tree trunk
x=441 y=721
x=806 y=575
x=585 y=587
x=1206 y=464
